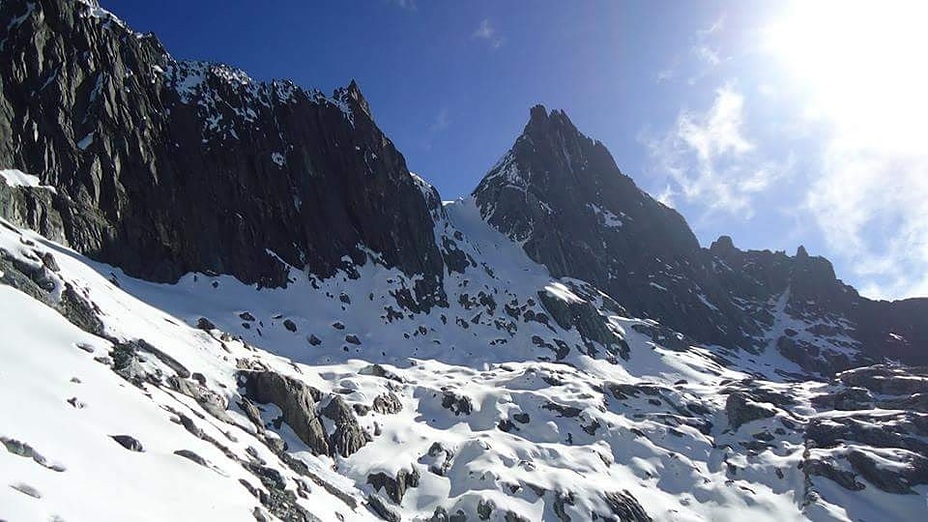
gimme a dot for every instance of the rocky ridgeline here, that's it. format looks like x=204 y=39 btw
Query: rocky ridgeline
x=163 y=167
x=561 y=196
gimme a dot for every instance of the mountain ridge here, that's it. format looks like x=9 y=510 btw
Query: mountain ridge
x=208 y=147
x=237 y=296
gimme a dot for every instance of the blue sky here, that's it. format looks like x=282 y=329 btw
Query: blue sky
x=777 y=123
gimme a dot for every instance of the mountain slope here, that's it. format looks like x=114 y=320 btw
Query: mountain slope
x=560 y=195
x=165 y=167
x=418 y=415
x=315 y=335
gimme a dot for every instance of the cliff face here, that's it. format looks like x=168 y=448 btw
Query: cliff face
x=557 y=346
x=164 y=167
x=560 y=195
x=778 y=292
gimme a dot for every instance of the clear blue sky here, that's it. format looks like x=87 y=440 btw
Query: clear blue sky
x=728 y=111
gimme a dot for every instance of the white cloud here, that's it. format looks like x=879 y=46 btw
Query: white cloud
x=665 y=75
x=860 y=88
x=872 y=209
x=703 y=46
x=405 y=4
x=709 y=160
x=717 y=25
x=487 y=32
x=707 y=54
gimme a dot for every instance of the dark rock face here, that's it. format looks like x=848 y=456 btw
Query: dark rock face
x=811 y=292
x=164 y=167
x=626 y=507
x=878 y=412
x=741 y=409
x=562 y=194
x=394 y=487
x=847 y=479
x=296 y=400
x=128 y=442
x=348 y=437
x=387 y=403
x=888 y=380
x=587 y=319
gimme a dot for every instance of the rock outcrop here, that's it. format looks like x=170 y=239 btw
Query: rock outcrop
x=302 y=410
x=164 y=167
x=562 y=196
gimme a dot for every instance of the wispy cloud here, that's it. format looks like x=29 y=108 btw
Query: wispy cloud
x=405 y=4
x=442 y=121
x=709 y=160
x=867 y=191
x=440 y=124
x=871 y=208
x=706 y=54
x=487 y=32
x=716 y=27
x=670 y=72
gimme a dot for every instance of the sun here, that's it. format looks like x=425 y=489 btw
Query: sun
x=861 y=66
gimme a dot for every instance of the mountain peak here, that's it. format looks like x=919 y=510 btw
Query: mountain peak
x=722 y=246
x=543 y=122
x=354 y=97
x=538 y=114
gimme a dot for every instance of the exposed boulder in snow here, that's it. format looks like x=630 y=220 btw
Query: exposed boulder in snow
x=297 y=402
x=387 y=403
x=458 y=404
x=128 y=442
x=626 y=507
x=290 y=325
x=394 y=487
x=205 y=324
x=348 y=436
x=301 y=408
x=741 y=409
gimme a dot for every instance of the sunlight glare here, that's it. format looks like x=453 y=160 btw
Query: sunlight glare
x=862 y=66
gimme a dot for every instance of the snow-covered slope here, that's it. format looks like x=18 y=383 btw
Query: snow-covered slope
x=489 y=408
x=336 y=343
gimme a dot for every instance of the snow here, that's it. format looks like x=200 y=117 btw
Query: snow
x=44 y=374
x=85 y=142
x=18 y=178
x=95 y=11
x=41 y=359
x=607 y=218
x=581 y=438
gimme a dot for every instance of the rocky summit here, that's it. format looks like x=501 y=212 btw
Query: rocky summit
x=225 y=299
